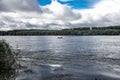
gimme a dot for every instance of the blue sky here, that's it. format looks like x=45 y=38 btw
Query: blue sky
x=76 y=4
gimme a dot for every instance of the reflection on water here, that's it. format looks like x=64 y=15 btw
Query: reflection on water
x=69 y=58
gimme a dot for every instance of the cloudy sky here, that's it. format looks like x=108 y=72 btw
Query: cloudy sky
x=58 y=14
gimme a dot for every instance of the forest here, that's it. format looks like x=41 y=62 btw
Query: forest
x=111 y=30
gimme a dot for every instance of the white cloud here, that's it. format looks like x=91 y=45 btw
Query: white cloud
x=63 y=12
x=105 y=13
x=53 y=16
x=65 y=0
x=28 y=14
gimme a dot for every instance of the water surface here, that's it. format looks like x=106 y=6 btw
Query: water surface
x=69 y=58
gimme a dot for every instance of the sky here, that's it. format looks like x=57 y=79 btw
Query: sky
x=76 y=4
x=58 y=14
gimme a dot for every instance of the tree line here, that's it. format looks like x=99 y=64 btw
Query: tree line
x=111 y=30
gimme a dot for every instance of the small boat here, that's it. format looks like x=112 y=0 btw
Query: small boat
x=59 y=37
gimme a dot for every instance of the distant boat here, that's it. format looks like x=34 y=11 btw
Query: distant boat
x=59 y=37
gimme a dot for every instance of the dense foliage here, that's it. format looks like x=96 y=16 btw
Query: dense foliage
x=7 y=62
x=7 y=58
x=113 y=30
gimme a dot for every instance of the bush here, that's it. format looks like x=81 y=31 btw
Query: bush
x=7 y=57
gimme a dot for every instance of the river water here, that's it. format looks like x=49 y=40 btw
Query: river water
x=69 y=58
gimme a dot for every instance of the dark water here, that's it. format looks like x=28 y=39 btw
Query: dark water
x=69 y=58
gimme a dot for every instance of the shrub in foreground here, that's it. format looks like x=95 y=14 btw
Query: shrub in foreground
x=7 y=57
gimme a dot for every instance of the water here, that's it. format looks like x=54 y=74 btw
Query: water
x=69 y=58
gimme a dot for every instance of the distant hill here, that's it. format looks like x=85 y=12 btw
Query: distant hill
x=112 y=30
